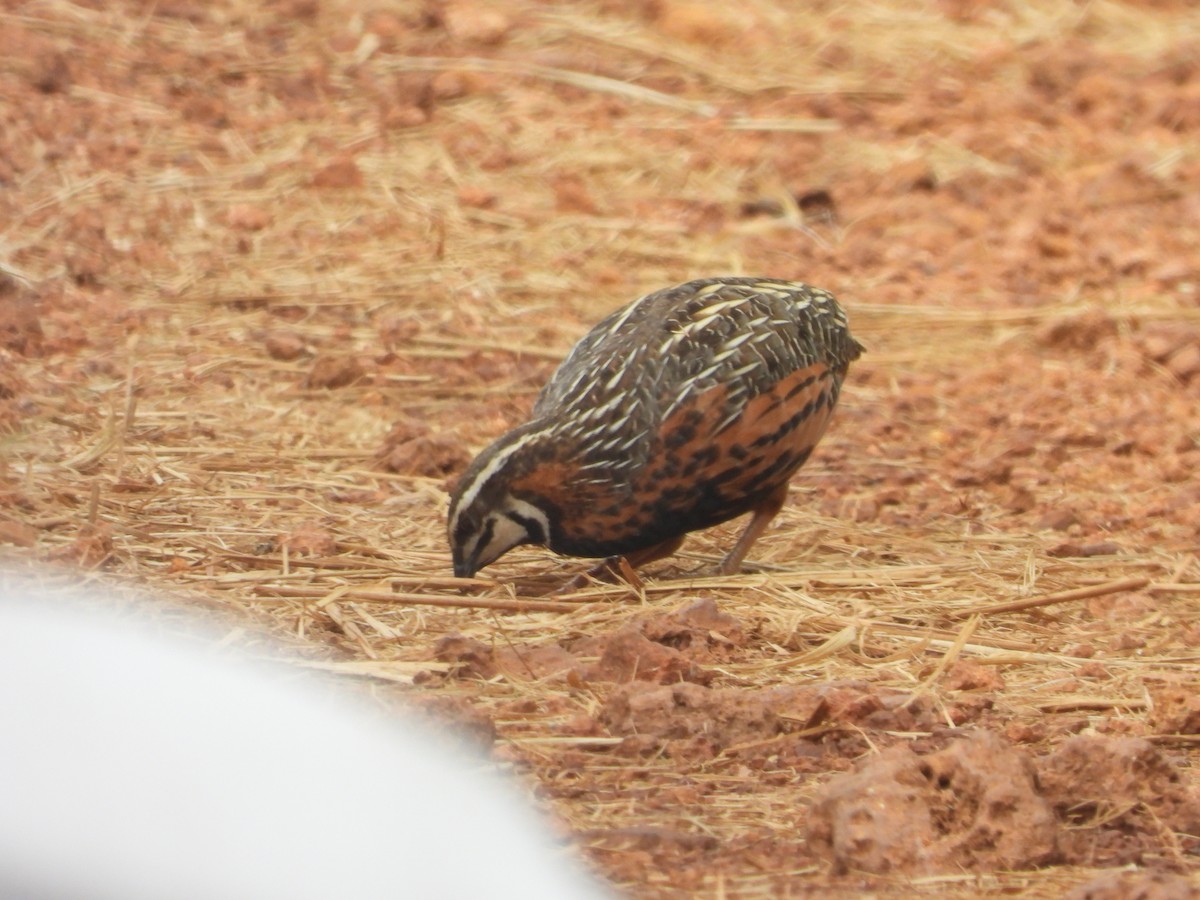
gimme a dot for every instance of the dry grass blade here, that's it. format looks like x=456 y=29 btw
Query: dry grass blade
x=409 y=599
x=831 y=647
x=583 y=80
x=953 y=652
x=383 y=670
x=1099 y=590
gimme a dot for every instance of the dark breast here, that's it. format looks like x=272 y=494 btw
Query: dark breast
x=685 y=409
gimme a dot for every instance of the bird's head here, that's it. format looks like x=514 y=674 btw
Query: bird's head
x=486 y=519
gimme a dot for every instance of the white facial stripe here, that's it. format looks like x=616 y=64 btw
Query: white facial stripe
x=471 y=491
x=506 y=534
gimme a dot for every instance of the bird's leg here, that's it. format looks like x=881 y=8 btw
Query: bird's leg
x=639 y=558
x=760 y=518
x=609 y=570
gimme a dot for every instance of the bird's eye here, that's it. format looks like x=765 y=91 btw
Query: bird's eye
x=466 y=526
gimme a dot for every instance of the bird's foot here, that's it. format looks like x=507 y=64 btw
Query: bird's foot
x=614 y=570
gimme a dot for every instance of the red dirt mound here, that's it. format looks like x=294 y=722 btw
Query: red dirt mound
x=980 y=804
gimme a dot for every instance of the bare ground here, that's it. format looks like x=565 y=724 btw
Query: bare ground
x=276 y=270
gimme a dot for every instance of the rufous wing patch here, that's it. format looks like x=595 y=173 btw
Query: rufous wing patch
x=697 y=460
x=777 y=430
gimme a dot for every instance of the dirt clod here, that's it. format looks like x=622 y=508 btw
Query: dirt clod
x=247 y=217
x=92 y=547
x=18 y=533
x=970 y=676
x=630 y=656
x=973 y=805
x=310 y=539
x=1175 y=708
x=1124 y=800
x=409 y=450
x=341 y=173
x=334 y=372
x=285 y=345
x=20 y=325
x=1136 y=886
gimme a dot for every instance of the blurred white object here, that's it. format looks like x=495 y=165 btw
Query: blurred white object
x=136 y=765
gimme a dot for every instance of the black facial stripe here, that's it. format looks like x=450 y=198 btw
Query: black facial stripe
x=533 y=528
x=485 y=536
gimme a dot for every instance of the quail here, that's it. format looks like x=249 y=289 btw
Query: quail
x=689 y=407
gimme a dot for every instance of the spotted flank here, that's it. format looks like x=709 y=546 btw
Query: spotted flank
x=684 y=409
